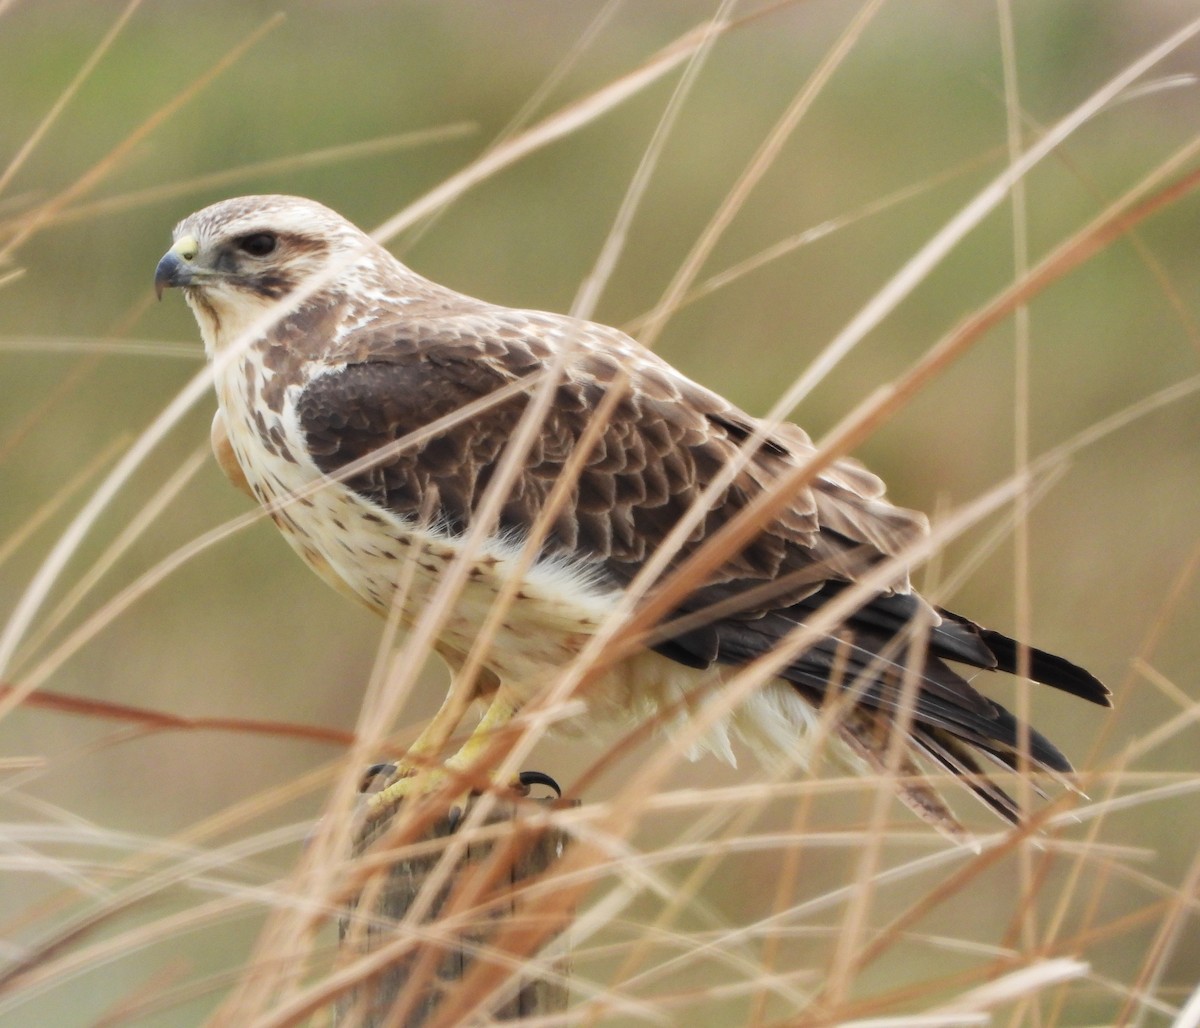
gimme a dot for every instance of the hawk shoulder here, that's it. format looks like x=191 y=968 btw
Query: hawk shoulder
x=666 y=439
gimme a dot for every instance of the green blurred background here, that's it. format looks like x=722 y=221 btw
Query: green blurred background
x=246 y=631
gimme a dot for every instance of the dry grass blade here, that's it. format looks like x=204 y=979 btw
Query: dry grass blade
x=1017 y=985
x=169 y=877
x=151 y=720
x=38 y=588
x=166 y=494
x=557 y=126
x=814 y=234
x=66 y=96
x=922 y=263
x=98 y=346
x=20 y=538
x=652 y=324
x=1166 y=940
x=45 y=212
x=259 y=169
x=593 y=285
x=1022 y=579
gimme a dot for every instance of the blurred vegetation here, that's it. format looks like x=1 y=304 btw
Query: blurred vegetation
x=244 y=630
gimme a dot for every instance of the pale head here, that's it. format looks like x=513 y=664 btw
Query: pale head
x=240 y=258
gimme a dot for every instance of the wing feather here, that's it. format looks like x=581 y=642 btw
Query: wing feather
x=665 y=442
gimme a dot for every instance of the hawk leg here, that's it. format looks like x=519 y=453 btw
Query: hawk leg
x=414 y=775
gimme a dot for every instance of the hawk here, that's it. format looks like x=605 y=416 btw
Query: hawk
x=343 y=353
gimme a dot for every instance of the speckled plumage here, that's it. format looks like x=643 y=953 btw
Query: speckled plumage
x=371 y=351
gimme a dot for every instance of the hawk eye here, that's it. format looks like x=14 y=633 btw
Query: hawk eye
x=258 y=244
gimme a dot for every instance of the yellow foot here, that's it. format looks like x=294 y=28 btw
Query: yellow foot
x=386 y=786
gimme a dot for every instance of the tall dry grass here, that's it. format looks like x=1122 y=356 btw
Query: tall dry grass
x=149 y=882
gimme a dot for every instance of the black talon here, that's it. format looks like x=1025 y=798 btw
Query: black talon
x=528 y=778
x=373 y=772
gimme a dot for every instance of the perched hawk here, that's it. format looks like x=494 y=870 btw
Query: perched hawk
x=366 y=352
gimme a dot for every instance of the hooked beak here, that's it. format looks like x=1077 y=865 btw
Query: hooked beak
x=176 y=267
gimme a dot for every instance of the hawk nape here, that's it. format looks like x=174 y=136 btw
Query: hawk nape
x=359 y=352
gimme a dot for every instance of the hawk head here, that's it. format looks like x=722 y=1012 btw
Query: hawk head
x=239 y=257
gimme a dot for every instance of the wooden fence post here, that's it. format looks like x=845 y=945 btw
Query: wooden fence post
x=533 y=848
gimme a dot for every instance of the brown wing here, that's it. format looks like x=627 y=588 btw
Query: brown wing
x=666 y=439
